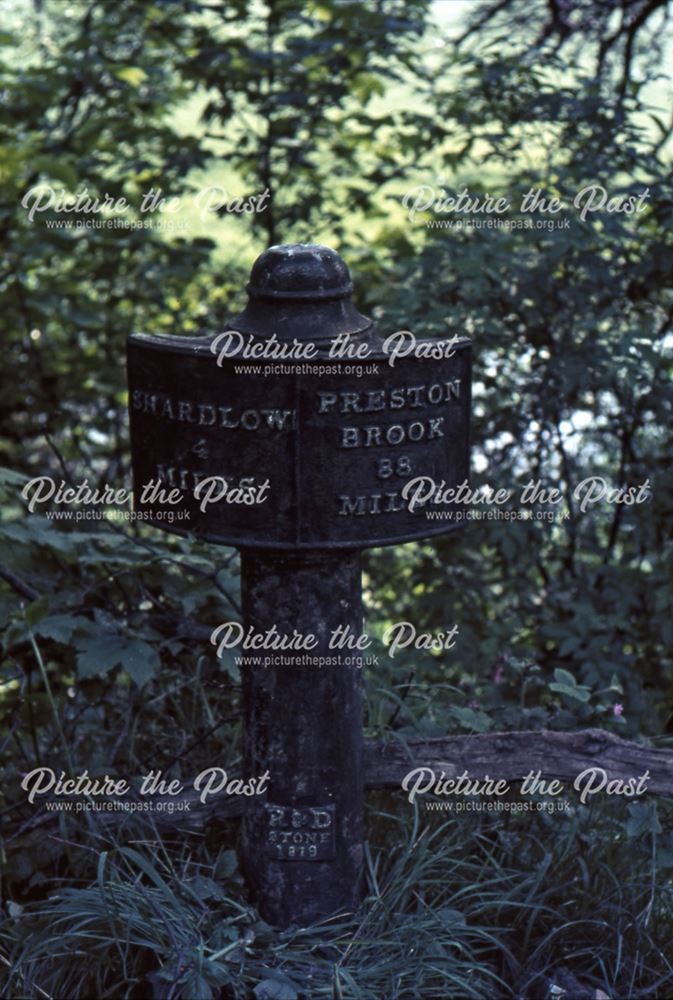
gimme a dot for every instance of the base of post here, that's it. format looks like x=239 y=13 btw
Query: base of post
x=301 y=848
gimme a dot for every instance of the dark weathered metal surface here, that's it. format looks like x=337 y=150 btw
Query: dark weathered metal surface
x=300 y=291
x=334 y=451
x=302 y=846
x=325 y=454
x=299 y=466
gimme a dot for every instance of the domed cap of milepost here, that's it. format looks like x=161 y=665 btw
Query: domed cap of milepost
x=302 y=291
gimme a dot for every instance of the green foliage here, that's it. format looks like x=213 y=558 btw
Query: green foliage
x=291 y=101
x=339 y=110
x=89 y=113
x=495 y=914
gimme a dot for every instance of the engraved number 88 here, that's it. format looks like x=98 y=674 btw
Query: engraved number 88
x=386 y=468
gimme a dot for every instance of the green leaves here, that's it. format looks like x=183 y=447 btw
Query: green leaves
x=472 y=719
x=133 y=75
x=643 y=818
x=565 y=683
x=101 y=654
x=36 y=611
x=61 y=628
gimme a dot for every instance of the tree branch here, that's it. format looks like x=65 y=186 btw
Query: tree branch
x=17 y=584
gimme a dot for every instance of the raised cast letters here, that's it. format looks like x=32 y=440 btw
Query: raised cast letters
x=206 y=415
x=376 y=400
x=300 y=833
x=380 y=435
x=375 y=503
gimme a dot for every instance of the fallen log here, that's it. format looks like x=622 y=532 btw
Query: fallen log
x=501 y=755
x=508 y=756
x=512 y=755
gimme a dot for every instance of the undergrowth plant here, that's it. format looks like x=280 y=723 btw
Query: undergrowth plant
x=451 y=908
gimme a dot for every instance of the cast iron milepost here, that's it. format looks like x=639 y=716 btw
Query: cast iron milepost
x=334 y=447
